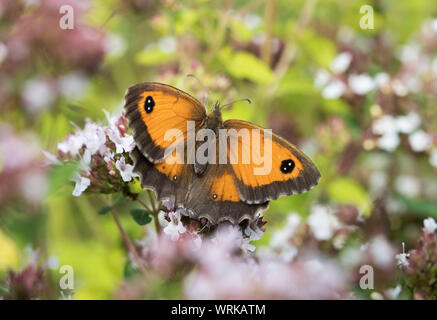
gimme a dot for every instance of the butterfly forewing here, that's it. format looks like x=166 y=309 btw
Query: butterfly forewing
x=153 y=109
x=290 y=170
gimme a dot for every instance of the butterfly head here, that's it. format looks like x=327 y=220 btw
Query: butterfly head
x=215 y=116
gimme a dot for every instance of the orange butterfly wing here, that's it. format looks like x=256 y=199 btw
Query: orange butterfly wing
x=214 y=195
x=152 y=109
x=291 y=171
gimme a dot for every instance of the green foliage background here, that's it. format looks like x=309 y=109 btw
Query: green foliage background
x=214 y=34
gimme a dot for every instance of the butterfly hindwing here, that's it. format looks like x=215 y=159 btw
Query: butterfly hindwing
x=291 y=170
x=153 y=109
x=161 y=180
x=214 y=195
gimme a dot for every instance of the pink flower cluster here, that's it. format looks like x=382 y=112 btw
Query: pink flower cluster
x=102 y=152
x=420 y=265
x=218 y=268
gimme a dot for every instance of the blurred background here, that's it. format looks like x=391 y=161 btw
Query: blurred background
x=354 y=87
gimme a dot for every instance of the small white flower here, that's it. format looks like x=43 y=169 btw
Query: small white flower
x=122 y=144
x=334 y=89
x=71 y=145
x=419 y=141
x=408 y=123
x=341 y=62
x=85 y=161
x=385 y=124
x=382 y=79
x=114 y=45
x=433 y=25
x=169 y=203
x=389 y=141
x=322 y=222
x=253 y=233
x=408 y=185
x=94 y=138
x=381 y=251
x=282 y=236
x=361 y=84
x=167 y=44
x=402 y=258
x=82 y=184
x=433 y=158
x=252 y=21
x=52 y=263
x=125 y=169
x=33 y=254
x=37 y=95
x=175 y=227
x=429 y=225
x=162 y=220
x=322 y=78
x=73 y=85
x=410 y=53
x=50 y=158
x=393 y=293
x=399 y=88
x=108 y=156
x=246 y=246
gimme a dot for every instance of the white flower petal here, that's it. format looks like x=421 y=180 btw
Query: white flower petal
x=361 y=84
x=408 y=123
x=429 y=225
x=341 y=62
x=82 y=184
x=389 y=141
x=433 y=158
x=420 y=141
x=126 y=170
x=334 y=90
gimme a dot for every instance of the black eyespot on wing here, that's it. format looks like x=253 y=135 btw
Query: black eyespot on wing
x=149 y=104
x=287 y=166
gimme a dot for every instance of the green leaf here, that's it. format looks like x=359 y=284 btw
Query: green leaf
x=317 y=48
x=142 y=217
x=105 y=210
x=244 y=65
x=153 y=56
x=422 y=208
x=129 y=270
x=349 y=191
x=61 y=175
x=121 y=199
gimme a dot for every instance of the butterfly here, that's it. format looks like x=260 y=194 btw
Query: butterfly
x=214 y=190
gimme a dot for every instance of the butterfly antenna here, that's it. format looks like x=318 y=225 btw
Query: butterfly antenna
x=205 y=88
x=227 y=105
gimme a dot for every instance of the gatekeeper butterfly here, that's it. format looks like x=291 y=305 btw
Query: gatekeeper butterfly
x=217 y=191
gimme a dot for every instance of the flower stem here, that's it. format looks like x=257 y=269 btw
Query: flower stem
x=128 y=243
x=154 y=212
